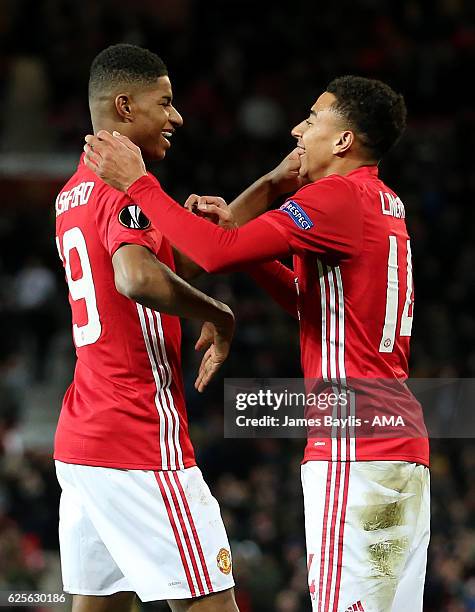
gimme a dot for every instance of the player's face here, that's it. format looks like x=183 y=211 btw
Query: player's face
x=318 y=136
x=155 y=119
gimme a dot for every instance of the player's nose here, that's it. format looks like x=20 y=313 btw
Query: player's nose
x=175 y=118
x=297 y=130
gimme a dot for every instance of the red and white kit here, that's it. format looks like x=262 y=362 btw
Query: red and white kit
x=355 y=301
x=124 y=416
x=367 y=507
x=353 y=273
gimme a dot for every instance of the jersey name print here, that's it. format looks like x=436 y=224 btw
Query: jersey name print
x=125 y=407
x=76 y=196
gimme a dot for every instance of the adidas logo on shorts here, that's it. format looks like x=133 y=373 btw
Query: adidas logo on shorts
x=356 y=607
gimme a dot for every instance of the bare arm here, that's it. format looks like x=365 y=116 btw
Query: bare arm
x=259 y=196
x=140 y=276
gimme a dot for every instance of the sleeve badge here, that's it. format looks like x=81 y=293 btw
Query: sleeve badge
x=297 y=214
x=132 y=217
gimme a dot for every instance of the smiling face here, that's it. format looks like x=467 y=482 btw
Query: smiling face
x=323 y=138
x=150 y=117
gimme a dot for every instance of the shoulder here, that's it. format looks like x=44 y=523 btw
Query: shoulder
x=329 y=191
x=113 y=206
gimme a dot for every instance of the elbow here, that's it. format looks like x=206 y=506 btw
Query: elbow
x=131 y=285
x=147 y=290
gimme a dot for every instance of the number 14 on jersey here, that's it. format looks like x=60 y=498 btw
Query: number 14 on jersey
x=395 y=285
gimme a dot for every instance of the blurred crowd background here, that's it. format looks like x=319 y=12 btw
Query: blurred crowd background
x=243 y=74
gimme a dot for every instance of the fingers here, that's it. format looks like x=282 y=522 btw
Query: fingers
x=222 y=213
x=91 y=155
x=124 y=140
x=91 y=165
x=208 y=369
x=94 y=143
x=194 y=200
x=213 y=208
x=212 y=360
x=206 y=336
x=215 y=200
x=95 y=146
x=106 y=136
x=104 y=139
x=293 y=159
x=203 y=342
x=191 y=201
x=199 y=385
x=296 y=153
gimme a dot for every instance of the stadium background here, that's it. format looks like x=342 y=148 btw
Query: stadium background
x=243 y=73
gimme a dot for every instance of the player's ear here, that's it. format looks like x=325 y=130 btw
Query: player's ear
x=123 y=107
x=343 y=142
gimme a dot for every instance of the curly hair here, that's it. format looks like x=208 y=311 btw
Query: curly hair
x=124 y=64
x=372 y=109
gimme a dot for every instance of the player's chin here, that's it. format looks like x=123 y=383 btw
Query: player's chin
x=162 y=148
x=161 y=154
x=154 y=154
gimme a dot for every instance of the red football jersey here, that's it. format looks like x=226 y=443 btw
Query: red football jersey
x=353 y=268
x=354 y=271
x=125 y=407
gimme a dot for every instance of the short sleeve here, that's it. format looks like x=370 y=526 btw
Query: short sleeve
x=324 y=217
x=120 y=221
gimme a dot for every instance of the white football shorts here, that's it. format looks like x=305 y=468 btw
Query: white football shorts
x=367 y=528
x=159 y=534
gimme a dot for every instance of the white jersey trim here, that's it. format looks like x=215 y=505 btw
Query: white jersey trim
x=169 y=393
x=158 y=385
x=169 y=424
x=332 y=301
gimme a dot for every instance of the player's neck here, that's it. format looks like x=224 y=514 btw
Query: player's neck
x=100 y=121
x=344 y=166
x=109 y=126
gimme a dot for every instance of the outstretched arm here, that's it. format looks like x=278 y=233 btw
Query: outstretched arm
x=215 y=249
x=251 y=203
x=324 y=218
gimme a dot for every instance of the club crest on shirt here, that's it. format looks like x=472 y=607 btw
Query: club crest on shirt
x=223 y=561
x=297 y=214
x=132 y=217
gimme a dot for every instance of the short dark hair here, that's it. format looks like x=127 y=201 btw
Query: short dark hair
x=375 y=111
x=123 y=64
